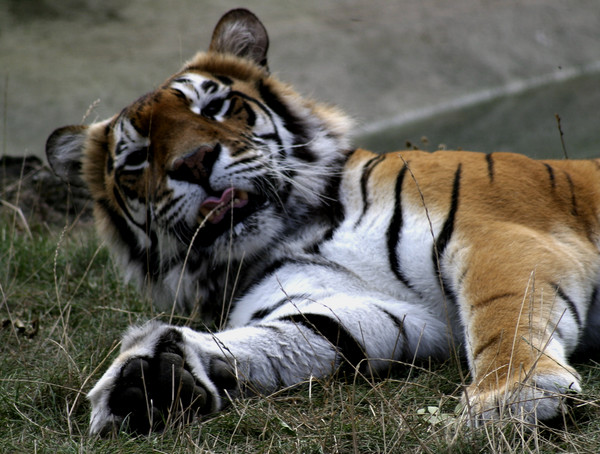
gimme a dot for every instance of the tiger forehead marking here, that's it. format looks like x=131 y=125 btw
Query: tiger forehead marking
x=200 y=91
x=179 y=117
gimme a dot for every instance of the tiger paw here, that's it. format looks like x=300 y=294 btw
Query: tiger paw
x=541 y=397
x=155 y=382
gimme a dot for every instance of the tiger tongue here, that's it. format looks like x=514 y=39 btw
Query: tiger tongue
x=214 y=210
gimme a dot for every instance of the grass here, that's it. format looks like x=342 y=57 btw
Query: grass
x=63 y=309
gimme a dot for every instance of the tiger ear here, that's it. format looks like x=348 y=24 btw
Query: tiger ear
x=241 y=33
x=64 y=150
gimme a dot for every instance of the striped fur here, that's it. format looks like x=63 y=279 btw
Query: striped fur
x=225 y=193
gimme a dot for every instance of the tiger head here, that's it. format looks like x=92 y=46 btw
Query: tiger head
x=216 y=165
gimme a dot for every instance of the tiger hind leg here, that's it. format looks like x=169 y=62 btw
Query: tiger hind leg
x=528 y=396
x=524 y=311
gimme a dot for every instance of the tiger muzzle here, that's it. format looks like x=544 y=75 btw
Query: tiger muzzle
x=195 y=167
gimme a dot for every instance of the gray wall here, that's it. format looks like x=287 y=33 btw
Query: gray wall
x=436 y=68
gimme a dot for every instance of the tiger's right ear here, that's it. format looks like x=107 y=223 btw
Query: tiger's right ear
x=64 y=150
x=241 y=33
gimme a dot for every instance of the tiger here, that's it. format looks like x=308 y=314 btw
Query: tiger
x=226 y=194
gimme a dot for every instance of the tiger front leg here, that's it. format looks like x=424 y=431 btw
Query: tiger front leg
x=171 y=374
x=166 y=374
x=157 y=381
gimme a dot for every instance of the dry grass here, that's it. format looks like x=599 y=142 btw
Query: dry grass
x=63 y=308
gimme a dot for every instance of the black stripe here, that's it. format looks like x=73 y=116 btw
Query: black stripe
x=291 y=122
x=574 y=210
x=180 y=94
x=593 y=297
x=251 y=115
x=393 y=233
x=170 y=204
x=331 y=195
x=109 y=161
x=148 y=257
x=119 y=147
x=242 y=148
x=224 y=80
x=123 y=207
x=444 y=237
x=349 y=348
x=264 y=107
x=131 y=193
x=170 y=342
x=272 y=268
x=244 y=161
x=153 y=262
x=364 y=180
x=569 y=302
x=405 y=352
x=333 y=209
x=490 y=166
x=262 y=313
x=558 y=332
x=276 y=367
x=270 y=136
x=491 y=341
x=209 y=86
x=551 y=176
x=128 y=237
x=489 y=300
x=315 y=248
x=301 y=151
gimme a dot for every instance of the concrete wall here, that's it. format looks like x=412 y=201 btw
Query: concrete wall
x=391 y=64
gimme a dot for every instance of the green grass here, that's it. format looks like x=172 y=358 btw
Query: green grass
x=63 y=309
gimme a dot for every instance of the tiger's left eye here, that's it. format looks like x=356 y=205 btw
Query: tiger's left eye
x=213 y=107
x=137 y=158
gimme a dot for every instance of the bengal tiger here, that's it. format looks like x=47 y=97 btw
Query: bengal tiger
x=226 y=194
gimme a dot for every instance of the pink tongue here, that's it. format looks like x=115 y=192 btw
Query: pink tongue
x=222 y=205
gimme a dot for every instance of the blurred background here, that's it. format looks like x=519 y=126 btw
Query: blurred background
x=490 y=75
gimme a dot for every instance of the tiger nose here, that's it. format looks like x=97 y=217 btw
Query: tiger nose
x=195 y=167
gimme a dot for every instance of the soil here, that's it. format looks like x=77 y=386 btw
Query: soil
x=31 y=193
